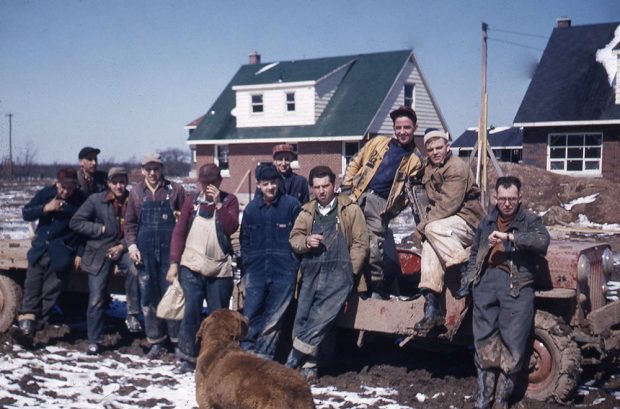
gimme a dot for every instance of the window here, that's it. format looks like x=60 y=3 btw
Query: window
x=408 y=101
x=257 y=103
x=575 y=152
x=290 y=101
x=222 y=154
x=350 y=150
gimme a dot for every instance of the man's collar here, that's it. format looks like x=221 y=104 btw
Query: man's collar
x=327 y=208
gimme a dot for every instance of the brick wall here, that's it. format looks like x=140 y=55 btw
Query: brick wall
x=535 y=147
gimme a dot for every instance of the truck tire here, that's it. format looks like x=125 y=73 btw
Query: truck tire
x=10 y=298
x=555 y=363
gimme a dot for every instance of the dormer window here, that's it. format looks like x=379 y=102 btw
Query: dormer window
x=290 y=101
x=257 y=103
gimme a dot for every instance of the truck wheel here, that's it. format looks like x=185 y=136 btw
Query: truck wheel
x=10 y=298
x=555 y=363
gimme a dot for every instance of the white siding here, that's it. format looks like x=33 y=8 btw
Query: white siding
x=274 y=107
x=325 y=89
x=428 y=117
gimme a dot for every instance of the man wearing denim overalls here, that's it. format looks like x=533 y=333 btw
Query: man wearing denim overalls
x=152 y=209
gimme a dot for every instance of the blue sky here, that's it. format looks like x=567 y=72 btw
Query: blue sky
x=126 y=76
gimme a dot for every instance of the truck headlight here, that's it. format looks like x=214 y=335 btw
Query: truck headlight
x=583 y=269
x=608 y=263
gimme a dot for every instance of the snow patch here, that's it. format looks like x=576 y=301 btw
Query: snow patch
x=606 y=57
x=266 y=68
x=579 y=200
x=583 y=221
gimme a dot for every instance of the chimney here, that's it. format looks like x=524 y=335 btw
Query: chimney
x=254 y=58
x=563 y=22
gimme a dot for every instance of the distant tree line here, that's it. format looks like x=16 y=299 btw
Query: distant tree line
x=26 y=167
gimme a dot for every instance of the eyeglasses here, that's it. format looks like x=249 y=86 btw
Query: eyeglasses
x=155 y=169
x=511 y=200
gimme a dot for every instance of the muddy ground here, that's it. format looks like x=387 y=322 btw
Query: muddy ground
x=443 y=378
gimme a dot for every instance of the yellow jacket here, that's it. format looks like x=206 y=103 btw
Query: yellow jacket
x=364 y=165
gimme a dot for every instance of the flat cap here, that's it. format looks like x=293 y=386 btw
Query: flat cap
x=88 y=151
x=67 y=176
x=209 y=173
x=267 y=172
x=117 y=171
x=283 y=148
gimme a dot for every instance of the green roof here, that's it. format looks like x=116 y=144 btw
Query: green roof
x=349 y=112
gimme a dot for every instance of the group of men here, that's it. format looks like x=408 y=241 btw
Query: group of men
x=320 y=249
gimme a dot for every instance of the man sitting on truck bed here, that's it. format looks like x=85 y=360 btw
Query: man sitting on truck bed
x=54 y=250
x=453 y=214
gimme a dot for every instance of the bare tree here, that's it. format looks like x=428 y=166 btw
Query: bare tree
x=176 y=161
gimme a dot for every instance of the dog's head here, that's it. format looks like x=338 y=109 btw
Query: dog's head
x=223 y=325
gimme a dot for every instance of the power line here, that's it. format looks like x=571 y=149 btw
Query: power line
x=516 y=44
x=519 y=33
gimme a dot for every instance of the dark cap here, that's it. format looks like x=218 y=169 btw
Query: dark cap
x=88 y=151
x=404 y=111
x=283 y=148
x=117 y=171
x=209 y=173
x=67 y=176
x=266 y=172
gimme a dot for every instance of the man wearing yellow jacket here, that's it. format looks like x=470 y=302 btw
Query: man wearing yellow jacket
x=375 y=178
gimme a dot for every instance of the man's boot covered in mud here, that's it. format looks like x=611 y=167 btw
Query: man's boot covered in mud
x=433 y=312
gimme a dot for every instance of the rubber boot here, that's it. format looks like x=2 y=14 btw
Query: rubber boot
x=486 y=388
x=295 y=359
x=504 y=389
x=433 y=312
x=464 y=291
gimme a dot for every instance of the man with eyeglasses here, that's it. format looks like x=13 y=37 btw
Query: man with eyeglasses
x=102 y=220
x=152 y=209
x=294 y=185
x=453 y=213
x=507 y=245
x=54 y=250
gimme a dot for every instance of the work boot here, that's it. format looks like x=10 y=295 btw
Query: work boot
x=27 y=327
x=310 y=374
x=133 y=324
x=504 y=389
x=295 y=359
x=464 y=291
x=486 y=388
x=185 y=367
x=156 y=351
x=433 y=312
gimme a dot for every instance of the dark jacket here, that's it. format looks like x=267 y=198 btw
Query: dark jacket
x=53 y=234
x=226 y=222
x=98 y=184
x=296 y=186
x=265 y=232
x=531 y=240
x=97 y=211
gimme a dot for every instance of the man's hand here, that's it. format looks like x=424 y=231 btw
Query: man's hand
x=134 y=254
x=314 y=240
x=497 y=237
x=77 y=262
x=213 y=192
x=54 y=205
x=115 y=252
x=173 y=272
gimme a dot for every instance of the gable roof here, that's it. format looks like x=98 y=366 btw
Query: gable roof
x=497 y=138
x=348 y=113
x=569 y=85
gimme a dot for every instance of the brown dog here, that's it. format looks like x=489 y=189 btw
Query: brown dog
x=229 y=378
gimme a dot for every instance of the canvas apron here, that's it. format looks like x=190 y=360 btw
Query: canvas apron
x=203 y=253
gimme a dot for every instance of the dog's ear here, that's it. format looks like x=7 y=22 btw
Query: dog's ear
x=202 y=329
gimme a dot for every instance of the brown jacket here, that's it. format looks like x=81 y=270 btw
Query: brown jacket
x=365 y=164
x=451 y=190
x=353 y=227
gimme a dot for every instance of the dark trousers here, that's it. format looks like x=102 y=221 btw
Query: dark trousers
x=267 y=296
x=98 y=292
x=196 y=288
x=41 y=289
x=502 y=324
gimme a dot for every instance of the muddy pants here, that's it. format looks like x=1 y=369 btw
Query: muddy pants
x=41 y=290
x=154 y=234
x=446 y=240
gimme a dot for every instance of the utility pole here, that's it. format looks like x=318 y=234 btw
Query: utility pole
x=481 y=170
x=10 y=116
